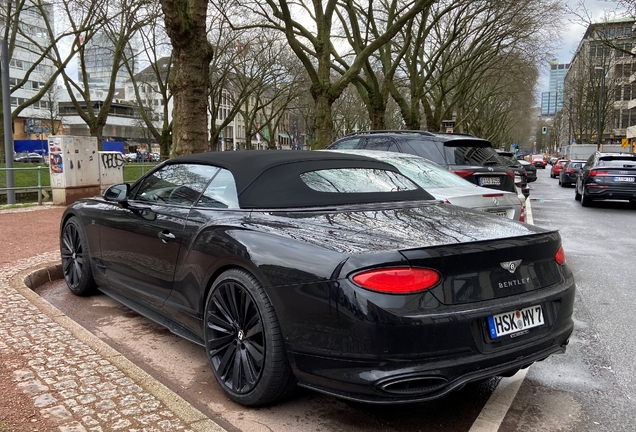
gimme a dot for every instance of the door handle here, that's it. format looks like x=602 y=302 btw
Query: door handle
x=166 y=236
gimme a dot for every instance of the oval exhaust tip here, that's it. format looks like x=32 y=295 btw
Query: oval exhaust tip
x=413 y=385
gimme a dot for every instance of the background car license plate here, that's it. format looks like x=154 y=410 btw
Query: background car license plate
x=515 y=321
x=500 y=213
x=484 y=181
x=623 y=179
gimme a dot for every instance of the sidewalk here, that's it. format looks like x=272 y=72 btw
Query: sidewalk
x=54 y=374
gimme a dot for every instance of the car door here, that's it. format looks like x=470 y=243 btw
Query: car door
x=140 y=241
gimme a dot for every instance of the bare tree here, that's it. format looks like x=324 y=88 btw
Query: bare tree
x=108 y=45
x=453 y=49
x=41 y=60
x=192 y=52
x=155 y=50
x=314 y=43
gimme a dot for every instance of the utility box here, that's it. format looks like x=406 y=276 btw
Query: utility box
x=111 y=169
x=74 y=168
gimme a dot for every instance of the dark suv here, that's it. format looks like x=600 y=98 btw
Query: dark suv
x=472 y=158
x=607 y=176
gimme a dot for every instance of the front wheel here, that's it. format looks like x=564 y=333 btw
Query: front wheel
x=244 y=342
x=76 y=261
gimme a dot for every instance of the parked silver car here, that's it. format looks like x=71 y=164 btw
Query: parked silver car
x=28 y=157
x=449 y=187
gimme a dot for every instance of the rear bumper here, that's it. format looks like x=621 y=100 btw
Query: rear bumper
x=391 y=382
x=464 y=353
x=610 y=192
x=569 y=178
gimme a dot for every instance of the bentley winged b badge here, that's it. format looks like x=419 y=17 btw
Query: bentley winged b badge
x=511 y=266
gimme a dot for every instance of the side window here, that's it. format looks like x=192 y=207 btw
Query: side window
x=221 y=192
x=347 y=143
x=380 y=143
x=590 y=162
x=176 y=184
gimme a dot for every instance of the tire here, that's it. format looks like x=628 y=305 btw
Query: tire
x=586 y=201
x=76 y=261
x=577 y=195
x=244 y=342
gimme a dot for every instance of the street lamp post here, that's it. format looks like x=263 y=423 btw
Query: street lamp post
x=601 y=89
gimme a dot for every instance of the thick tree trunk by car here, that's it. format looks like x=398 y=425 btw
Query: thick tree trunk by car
x=323 y=122
x=192 y=53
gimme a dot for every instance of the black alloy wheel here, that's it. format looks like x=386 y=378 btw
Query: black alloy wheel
x=76 y=265
x=243 y=341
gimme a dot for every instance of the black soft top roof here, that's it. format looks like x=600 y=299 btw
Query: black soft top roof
x=271 y=178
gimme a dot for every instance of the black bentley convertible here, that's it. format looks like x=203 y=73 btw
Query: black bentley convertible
x=326 y=270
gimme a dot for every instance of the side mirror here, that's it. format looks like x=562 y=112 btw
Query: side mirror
x=117 y=193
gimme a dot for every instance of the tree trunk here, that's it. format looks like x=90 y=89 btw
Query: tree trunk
x=378 y=121
x=324 y=122
x=96 y=129
x=192 y=53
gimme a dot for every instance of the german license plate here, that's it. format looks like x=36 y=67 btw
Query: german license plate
x=623 y=179
x=489 y=181
x=500 y=213
x=515 y=321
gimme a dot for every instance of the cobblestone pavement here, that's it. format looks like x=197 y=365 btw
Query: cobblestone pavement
x=76 y=381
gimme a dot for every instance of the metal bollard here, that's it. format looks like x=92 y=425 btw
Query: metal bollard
x=39 y=185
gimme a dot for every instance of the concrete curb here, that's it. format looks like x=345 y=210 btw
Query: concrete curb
x=29 y=279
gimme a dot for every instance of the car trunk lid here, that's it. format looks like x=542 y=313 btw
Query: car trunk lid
x=487 y=270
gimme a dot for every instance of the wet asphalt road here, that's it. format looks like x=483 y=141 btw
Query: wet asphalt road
x=593 y=386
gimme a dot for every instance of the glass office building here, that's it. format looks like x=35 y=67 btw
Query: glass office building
x=552 y=100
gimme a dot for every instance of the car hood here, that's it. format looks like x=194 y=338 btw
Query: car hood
x=388 y=229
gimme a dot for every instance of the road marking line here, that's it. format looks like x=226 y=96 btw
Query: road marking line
x=495 y=410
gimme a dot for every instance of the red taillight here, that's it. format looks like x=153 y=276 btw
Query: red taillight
x=463 y=173
x=522 y=215
x=560 y=256
x=493 y=195
x=569 y=171
x=597 y=172
x=511 y=174
x=447 y=202
x=397 y=280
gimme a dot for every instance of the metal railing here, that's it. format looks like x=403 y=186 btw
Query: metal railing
x=39 y=187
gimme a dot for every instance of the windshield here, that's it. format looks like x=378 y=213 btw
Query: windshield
x=427 y=174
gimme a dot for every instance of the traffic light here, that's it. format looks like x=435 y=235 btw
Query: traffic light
x=544 y=130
